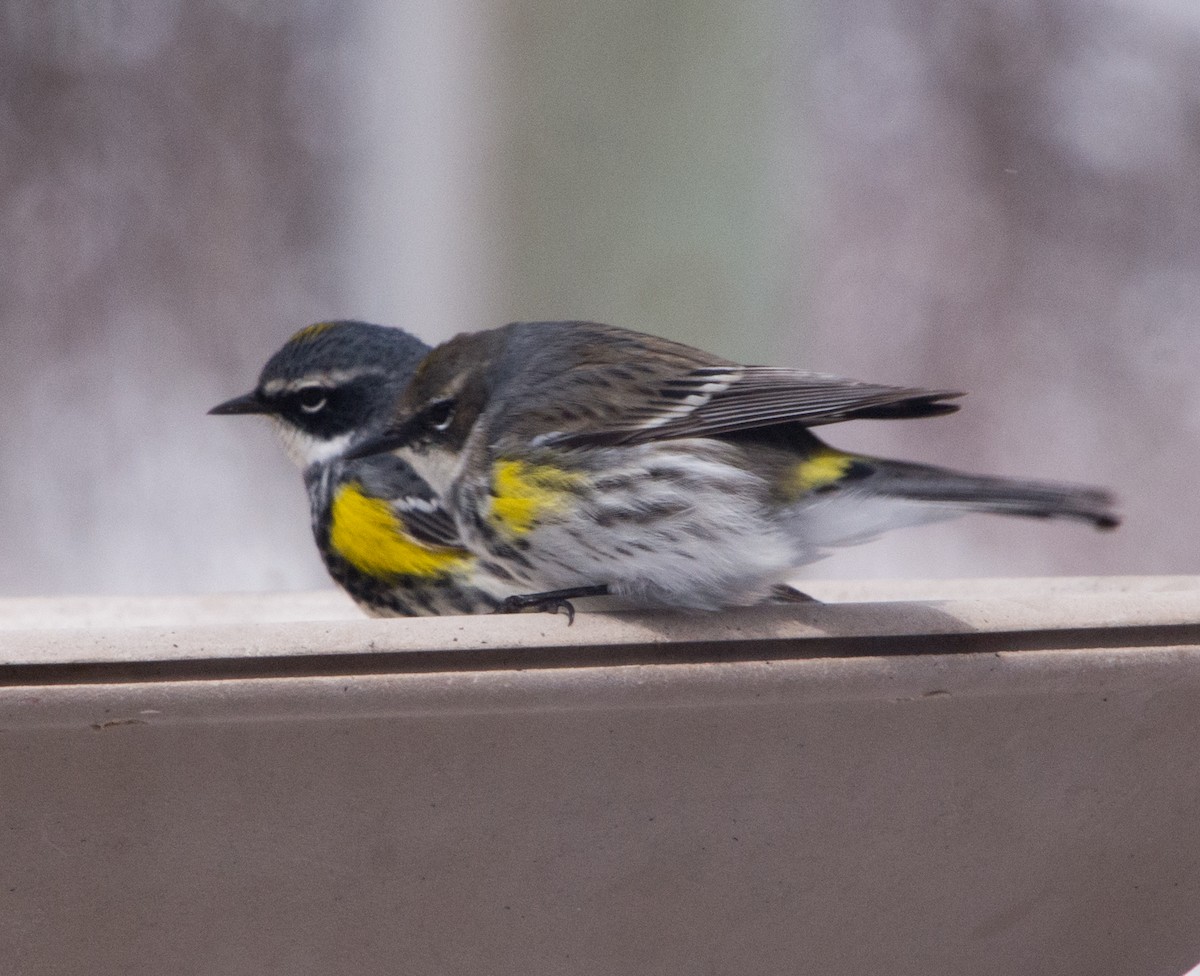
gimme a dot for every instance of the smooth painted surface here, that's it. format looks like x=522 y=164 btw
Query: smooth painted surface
x=691 y=810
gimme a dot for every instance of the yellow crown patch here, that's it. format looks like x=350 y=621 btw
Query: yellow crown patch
x=310 y=332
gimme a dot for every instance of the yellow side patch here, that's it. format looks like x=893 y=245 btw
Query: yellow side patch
x=523 y=494
x=366 y=533
x=825 y=467
x=310 y=332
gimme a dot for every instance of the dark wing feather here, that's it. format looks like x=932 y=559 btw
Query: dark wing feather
x=412 y=501
x=714 y=400
x=427 y=521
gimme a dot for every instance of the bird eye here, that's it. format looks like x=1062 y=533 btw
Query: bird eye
x=439 y=414
x=311 y=398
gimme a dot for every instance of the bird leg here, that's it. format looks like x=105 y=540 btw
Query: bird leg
x=551 y=601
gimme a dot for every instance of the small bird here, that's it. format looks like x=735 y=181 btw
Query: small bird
x=584 y=457
x=382 y=532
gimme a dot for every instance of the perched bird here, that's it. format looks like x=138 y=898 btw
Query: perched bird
x=583 y=456
x=383 y=533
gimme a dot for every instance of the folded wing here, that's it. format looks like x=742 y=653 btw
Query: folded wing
x=712 y=400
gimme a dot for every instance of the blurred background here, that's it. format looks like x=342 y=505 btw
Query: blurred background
x=999 y=196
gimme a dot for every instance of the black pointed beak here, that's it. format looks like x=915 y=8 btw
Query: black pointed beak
x=389 y=440
x=247 y=403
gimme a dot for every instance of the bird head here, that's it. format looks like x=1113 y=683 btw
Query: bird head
x=331 y=386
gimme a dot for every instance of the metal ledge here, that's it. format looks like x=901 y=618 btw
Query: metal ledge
x=235 y=645
x=990 y=777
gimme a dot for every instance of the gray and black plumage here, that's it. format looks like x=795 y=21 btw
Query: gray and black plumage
x=383 y=533
x=580 y=454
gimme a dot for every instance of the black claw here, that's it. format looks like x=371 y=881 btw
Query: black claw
x=536 y=602
x=550 y=602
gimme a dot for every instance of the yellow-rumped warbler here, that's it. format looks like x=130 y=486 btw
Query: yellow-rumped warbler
x=382 y=532
x=581 y=455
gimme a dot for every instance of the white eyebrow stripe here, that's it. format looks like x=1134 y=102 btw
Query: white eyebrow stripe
x=328 y=379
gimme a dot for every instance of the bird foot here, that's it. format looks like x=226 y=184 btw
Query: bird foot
x=552 y=601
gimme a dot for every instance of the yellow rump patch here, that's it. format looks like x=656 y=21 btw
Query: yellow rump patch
x=366 y=533
x=523 y=494
x=310 y=332
x=825 y=467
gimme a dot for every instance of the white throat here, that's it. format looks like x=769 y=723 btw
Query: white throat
x=304 y=449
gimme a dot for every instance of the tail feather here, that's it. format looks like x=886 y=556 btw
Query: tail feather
x=930 y=405
x=999 y=496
